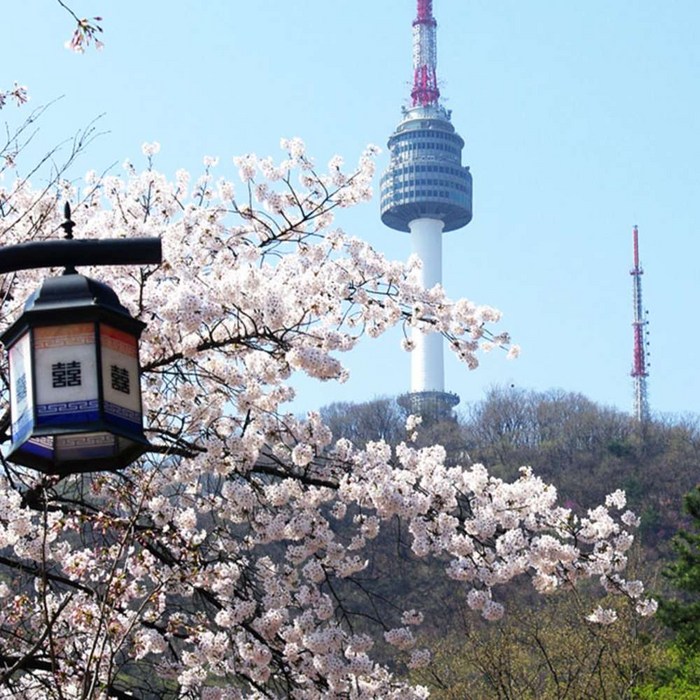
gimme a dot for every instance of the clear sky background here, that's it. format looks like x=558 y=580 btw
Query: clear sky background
x=580 y=119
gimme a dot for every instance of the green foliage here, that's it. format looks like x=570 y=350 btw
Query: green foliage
x=678 y=679
x=544 y=649
x=682 y=614
x=678 y=674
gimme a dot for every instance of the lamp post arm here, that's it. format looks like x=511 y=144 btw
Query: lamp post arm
x=70 y=253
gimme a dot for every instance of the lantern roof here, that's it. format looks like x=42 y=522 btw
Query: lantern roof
x=73 y=290
x=72 y=298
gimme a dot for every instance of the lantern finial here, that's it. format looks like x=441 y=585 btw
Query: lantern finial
x=68 y=225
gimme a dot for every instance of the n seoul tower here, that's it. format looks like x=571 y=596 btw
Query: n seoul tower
x=426 y=191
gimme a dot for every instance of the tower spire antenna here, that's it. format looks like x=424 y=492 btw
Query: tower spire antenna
x=426 y=191
x=640 y=370
x=425 y=88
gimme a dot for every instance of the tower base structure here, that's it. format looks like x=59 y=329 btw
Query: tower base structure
x=432 y=406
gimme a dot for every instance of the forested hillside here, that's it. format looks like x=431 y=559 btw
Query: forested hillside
x=583 y=449
x=544 y=647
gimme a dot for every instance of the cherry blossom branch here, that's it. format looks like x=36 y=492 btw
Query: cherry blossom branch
x=17 y=92
x=86 y=31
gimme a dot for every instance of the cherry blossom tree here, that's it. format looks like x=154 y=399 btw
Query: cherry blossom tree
x=229 y=561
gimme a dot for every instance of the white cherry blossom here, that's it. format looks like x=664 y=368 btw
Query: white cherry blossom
x=222 y=562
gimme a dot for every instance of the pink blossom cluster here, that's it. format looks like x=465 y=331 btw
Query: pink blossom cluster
x=86 y=32
x=17 y=92
x=223 y=563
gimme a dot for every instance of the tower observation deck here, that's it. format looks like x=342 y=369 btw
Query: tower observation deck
x=426 y=191
x=425 y=178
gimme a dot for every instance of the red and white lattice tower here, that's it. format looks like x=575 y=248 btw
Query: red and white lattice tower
x=639 y=325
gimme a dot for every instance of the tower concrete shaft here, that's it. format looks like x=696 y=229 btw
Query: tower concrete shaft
x=426 y=191
x=427 y=365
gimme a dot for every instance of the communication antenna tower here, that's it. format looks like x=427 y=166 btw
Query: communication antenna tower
x=640 y=370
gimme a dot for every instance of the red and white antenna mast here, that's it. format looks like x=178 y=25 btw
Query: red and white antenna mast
x=425 y=89
x=639 y=364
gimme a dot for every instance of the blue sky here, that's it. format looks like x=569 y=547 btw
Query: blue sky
x=580 y=120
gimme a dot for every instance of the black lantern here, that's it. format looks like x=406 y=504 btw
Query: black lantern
x=75 y=396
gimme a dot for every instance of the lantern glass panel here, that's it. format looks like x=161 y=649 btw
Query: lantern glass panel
x=120 y=378
x=36 y=446
x=84 y=446
x=79 y=451
x=21 y=388
x=65 y=374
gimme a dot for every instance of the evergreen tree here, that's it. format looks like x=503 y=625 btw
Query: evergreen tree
x=683 y=614
x=678 y=677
